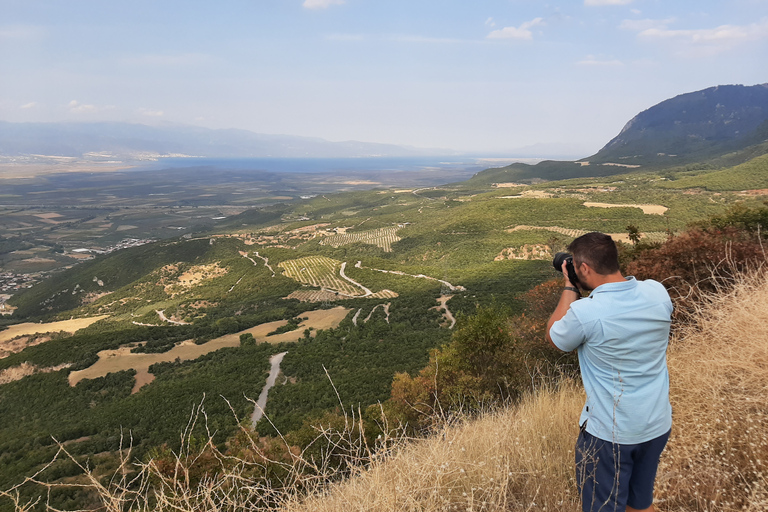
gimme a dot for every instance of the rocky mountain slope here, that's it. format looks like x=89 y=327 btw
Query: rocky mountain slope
x=702 y=123
x=724 y=126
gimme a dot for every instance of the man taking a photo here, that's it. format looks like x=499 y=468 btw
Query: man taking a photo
x=620 y=333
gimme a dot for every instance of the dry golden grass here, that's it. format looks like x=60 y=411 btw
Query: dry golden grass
x=521 y=458
x=648 y=209
x=512 y=459
x=29 y=328
x=716 y=458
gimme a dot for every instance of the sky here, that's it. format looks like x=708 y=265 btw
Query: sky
x=488 y=76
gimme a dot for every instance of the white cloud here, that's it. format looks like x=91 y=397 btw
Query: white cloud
x=591 y=60
x=645 y=24
x=321 y=4
x=593 y=3
x=29 y=105
x=79 y=108
x=151 y=113
x=521 y=32
x=724 y=35
x=490 y=22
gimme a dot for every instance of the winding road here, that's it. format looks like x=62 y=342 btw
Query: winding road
x=344 y=276
x=451 y=287
x=261 y=403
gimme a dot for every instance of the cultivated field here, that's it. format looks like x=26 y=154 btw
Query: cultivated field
x=328 y=296
x=648 y=209
x=382 y=237
x=653 y=236
x=27 y=329
x=319 y=271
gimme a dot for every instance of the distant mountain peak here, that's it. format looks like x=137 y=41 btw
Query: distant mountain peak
x=701 y=123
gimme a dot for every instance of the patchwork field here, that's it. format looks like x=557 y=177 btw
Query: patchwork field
x=319 y=271
x=653 y=236
x=123 y=359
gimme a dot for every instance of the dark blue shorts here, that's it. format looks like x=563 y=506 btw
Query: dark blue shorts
x=611 y=476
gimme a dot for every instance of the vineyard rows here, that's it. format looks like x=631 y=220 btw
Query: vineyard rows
x=382 y=237
x=319 y=271
x=573 y=233
x=315 y=296
x=330 y=296
x=652 y=236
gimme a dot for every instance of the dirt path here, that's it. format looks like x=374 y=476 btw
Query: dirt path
x=386 y=311
x=256 y=253
x=354 y=318
x=266 y=262
x=443 y=300
x=233 y=286
x=161 y=314
x=344 y=276
x=261 y=403
x=453 y=288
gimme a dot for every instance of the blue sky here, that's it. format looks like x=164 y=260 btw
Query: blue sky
x=489 y=76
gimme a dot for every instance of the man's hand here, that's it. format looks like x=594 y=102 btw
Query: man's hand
x=564 y=268
x=567 y=298
x=568 y=282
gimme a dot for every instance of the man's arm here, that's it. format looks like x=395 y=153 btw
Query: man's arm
x=567 y=298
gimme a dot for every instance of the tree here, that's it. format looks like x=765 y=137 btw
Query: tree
x=247 y=340
x=634 y=233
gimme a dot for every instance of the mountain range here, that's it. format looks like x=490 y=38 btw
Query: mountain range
x=125 y=141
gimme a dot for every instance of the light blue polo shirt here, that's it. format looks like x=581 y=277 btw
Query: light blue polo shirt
x=621 y=332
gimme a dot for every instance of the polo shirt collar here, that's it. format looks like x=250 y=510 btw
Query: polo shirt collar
x=629 y=283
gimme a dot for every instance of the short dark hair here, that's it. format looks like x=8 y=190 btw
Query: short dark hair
x=597 y=250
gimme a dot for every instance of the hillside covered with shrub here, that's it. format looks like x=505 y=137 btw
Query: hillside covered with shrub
x=489 y=423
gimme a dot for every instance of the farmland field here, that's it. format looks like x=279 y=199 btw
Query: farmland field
x=382 y=237
x=319 y=271
x=28 y=328
x=123 y=359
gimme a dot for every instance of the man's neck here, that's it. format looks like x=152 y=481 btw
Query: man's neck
x=599 y=279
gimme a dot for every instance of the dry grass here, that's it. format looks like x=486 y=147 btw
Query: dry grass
x=521 y=458
x=29 y=328
x=517 y=459
x=716 y=458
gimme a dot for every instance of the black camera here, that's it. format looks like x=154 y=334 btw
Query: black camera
x=558 y=264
